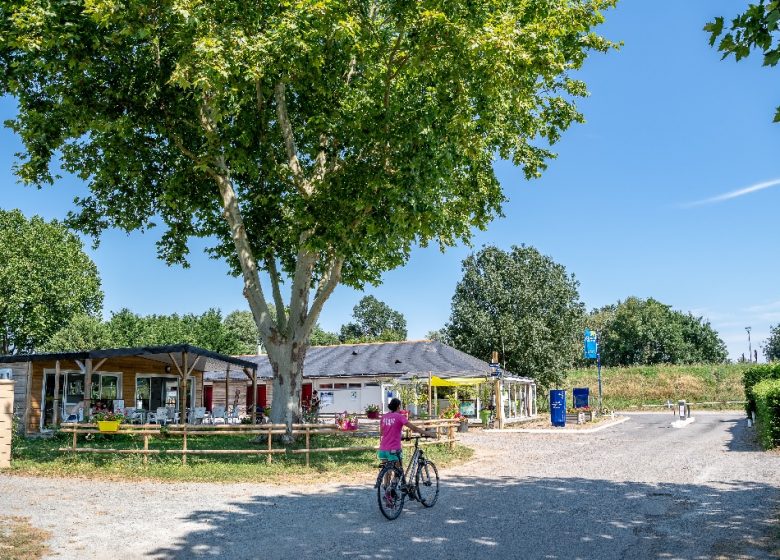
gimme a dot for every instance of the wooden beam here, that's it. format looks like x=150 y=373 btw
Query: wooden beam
x=88 y=388
x=96 y=368
x=254 y=395
x=192 y=367
x=183 y=395
x=28 y=398
x=56 y=392
x=81 y=366
x=176 y=364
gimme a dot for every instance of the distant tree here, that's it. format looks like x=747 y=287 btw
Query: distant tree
x=522 y=304
x=83 y=332
x=646 y=331
x=45 y=280
x=242 y=328
x=758 y=27
x=438 y=335
x=374 y=320
x=320 y=337
x=771 y=346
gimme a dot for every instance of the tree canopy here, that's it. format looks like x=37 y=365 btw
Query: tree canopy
x=758 y=27
x=315 y=140
x=231 y=335
x=45 y=280
x=771 y=346
x=646 y=331
x=374 y=320
x=521 y=304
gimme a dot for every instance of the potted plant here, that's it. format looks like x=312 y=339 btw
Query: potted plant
x=347 y=421
x=108 y=422
x=372 y=411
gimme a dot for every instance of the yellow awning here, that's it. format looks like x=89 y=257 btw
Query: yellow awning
x=456 y=381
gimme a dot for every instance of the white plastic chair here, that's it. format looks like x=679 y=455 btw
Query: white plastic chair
x=218 y=413
x=198 y=415
x=161 y=416
x=233 y=417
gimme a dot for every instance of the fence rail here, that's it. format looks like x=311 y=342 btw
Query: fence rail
x=444 y=432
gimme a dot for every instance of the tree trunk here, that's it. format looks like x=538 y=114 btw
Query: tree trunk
x=287 y=364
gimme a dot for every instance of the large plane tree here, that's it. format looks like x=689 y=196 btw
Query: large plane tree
x=314 y=141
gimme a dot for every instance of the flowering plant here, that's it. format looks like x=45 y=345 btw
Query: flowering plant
x=106 y=416
x=347 y=420
x=372 y=408
x=451 y=412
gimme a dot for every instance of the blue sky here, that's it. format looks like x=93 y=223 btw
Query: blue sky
x=631 y=206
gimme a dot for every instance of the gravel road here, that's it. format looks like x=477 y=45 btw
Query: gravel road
x=642 y=489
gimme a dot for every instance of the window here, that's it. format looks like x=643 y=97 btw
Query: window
x=6 y=373
x=106 y=386
x=339 y=385
x=355 y=385
x=326 y=385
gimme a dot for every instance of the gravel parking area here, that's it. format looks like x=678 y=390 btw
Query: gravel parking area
x=641 y=489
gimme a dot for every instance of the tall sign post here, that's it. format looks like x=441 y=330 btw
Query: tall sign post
x=591 y=352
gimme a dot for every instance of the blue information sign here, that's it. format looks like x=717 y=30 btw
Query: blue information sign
x=591 y=345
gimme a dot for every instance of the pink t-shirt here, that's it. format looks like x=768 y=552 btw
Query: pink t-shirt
x=392 y=424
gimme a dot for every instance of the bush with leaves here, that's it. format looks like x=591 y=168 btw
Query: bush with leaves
x=767 y=397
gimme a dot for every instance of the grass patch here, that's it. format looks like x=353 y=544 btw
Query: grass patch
x=40 y=457
x=644 y=386
x=21 y=541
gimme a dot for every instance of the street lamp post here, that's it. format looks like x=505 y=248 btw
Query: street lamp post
x=750 y=346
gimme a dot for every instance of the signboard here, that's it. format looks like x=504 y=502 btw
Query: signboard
x=326 y=398
x=495 y=369
x=591 y=345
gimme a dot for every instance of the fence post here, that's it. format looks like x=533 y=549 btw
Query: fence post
x=6 y=421
x=307 y=446
x=184 y=447
x=451 y=434
x=270 y=455
x=75 y=436
x=146 y=448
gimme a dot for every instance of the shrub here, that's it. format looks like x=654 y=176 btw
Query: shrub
x=752 y=377
x=767 y=399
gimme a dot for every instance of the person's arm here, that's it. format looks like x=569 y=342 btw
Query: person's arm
x=418 y=429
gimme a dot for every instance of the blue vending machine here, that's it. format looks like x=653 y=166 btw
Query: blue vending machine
x=558 y=407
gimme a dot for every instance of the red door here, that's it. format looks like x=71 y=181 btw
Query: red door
x=306 y=395
x=208 y=396
x=261 y=397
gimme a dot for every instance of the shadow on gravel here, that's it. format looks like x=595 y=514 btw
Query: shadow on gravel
x=495 y=518
x=742 y=438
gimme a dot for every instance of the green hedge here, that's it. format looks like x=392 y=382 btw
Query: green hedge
x=767 y=395
x=752 y=377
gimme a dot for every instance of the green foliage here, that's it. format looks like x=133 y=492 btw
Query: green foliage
x=771 y=345
x=638 y=331
x=45 y=280
x=127 y=329
x=752 y=377
x=756 y=28
x=320 y=337
x=767 y=399
x=523 y=303
x=374 y=321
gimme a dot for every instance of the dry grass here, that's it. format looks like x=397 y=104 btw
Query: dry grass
x=654 y=385
x=19 y=540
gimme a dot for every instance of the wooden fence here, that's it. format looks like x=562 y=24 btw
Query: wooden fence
x=444 y=433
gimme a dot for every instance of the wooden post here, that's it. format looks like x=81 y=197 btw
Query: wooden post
x=307 y=447
x=146 y=448
x=451 y=435
x=430 y=394
x=254 y=397
x=88 y=389
x=435 y=402
x=56 y=392
x=75 y=435
x=184 y=375
x=227 y=392
x=184 y=446
x=28 y=398
x=499 y=404
x=269 y=444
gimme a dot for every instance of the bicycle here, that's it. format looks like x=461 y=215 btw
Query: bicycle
x=393 y=484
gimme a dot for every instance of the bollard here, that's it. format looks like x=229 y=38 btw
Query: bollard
x=687 y=410
x=681 y=409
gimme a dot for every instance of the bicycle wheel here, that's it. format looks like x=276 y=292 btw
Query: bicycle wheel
x=389 y=491
x=426 y=482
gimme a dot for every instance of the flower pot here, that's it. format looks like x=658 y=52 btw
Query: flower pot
x=108 y=426
x=463 y=427
x=372 y=414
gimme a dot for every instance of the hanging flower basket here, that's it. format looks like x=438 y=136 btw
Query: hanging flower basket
x=108 y=426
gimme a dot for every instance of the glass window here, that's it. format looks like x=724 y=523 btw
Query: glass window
x=74 y=388
x=326 y=385
x=143 y=391
x=355 y=385
x=339 y=385
x=109 y=387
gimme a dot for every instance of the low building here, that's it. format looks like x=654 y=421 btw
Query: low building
x=51 y=388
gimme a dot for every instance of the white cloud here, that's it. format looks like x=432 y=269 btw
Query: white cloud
x=735 y=194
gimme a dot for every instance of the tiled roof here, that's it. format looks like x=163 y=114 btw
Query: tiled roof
x=393 y=359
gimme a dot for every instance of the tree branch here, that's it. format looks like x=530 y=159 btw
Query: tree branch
x=330 y=279
x=273 y=272
x=289 y=141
